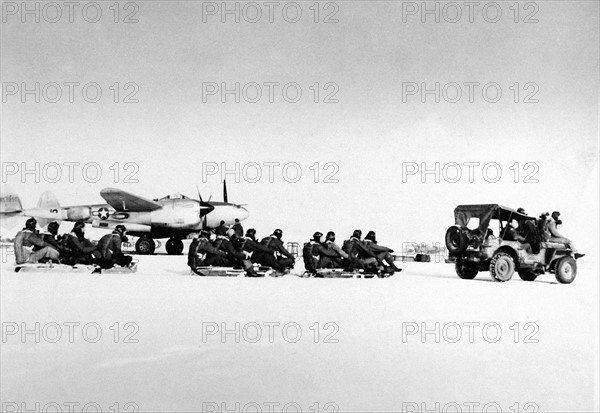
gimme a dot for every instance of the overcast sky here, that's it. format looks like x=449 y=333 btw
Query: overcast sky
x=368 y=58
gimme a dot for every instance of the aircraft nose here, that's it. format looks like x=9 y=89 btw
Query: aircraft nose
x=242 y=213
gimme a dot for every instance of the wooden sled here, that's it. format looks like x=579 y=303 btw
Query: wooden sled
x=210 y=271
x=56 y=268
x=120 y=270
x=340 y=273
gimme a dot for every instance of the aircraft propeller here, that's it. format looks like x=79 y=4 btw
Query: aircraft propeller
x=204 y=206
x=207 y=207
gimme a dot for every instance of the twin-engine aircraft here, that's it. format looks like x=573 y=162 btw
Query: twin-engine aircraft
x=174 y=216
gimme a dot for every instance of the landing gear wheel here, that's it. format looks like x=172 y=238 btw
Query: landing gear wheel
x=174 y=246
x=566 y=270
x=465 y=271
x=528 y=275
x=502 y=267
x=145 y=246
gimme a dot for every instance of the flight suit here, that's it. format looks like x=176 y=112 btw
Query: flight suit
x=109 y=249
x=275 y=260
x=25 y=243
x=356 y=249
x=202 y=253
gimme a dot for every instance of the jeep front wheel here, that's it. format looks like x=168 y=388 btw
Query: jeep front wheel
x=528 y=275
x=465 y=271
x=566 y=270
x=502 y=267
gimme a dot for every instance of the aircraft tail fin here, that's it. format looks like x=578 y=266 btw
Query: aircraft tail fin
x=47 y=201
x=10 y=207
x=10 y=203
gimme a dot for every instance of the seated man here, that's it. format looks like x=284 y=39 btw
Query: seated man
x=339 y=259
x=555 y=236
x=383 y=254
x=109 y=249
x=235 y=254
x=203 y=253
x=357 y=250
x=509 y=233
x=542 y=225
x=83 y=250
x=281 y=259
x=314 y=252
x=27 y=240
x=252 y=247
x=49 y=238
x=528 y=230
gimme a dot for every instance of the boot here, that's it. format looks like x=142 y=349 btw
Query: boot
x=390 y=261
x=251 y=273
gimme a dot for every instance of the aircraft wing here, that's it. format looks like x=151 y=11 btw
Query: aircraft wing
x=124 y=201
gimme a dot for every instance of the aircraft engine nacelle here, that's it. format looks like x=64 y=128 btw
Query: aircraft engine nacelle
x=79 y=213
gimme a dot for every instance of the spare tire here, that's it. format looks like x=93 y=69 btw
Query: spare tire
x=456 y=240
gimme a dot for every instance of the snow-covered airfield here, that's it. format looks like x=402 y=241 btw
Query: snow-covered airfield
x=348 y=345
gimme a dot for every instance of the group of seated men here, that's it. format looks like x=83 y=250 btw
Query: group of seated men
x=322 y=252
x=31 y=246
x=532 y=233
x=232 y=250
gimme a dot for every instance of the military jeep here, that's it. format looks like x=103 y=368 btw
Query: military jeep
x=473 y=246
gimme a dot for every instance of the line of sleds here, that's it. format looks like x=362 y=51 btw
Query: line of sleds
x=50 y=267
x=264 y=271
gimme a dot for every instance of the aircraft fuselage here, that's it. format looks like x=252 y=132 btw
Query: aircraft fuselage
x=176 y=218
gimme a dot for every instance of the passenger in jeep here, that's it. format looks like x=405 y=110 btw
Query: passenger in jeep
x=509 y=233
x=528 y=230
x=555 y=236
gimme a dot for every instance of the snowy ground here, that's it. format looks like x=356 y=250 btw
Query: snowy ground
x=369 y=354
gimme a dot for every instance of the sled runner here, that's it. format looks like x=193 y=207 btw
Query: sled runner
x=339 y=273
x=261 y=271
x=210 y=271
x=132 y=268
x=56 y=268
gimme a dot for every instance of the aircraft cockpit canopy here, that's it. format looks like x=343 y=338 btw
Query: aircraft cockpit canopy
x=173 y=196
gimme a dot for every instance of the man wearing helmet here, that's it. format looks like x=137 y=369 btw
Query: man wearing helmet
x=383 y=254
x=314 y=252
x=27 y=240
x=109 y=249
x=84 y=250
x=252 y=247
x=341 y=258
x=49 y=238
x=202 y=252
x=357 y=250
x=555 y=236
x=235 y=255
x=281 y=259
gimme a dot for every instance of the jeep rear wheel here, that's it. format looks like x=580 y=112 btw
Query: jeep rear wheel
x=502 y=267
x=456 y=240
x=465 y=271
x=566 y=270
x=528 y=275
